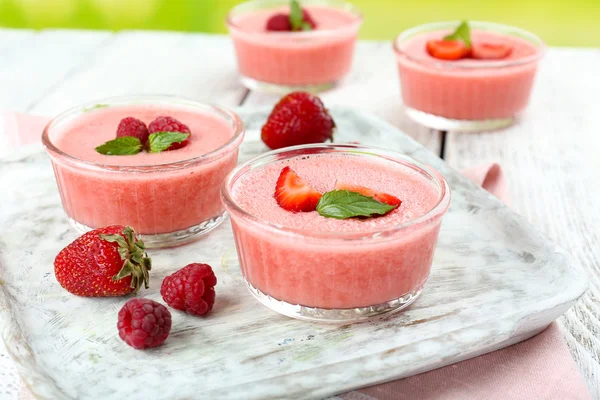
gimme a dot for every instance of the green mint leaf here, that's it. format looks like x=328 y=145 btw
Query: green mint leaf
x=342 y=204
x=160 y=141
x=296 y=16
x=123 y=146
x=462 y=33
x=306 y=26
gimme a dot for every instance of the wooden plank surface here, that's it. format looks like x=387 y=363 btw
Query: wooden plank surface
x=551 y=156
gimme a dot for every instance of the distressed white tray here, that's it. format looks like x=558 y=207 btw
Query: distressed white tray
x=495 y=281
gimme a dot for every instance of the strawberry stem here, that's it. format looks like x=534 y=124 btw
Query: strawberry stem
x=136 y=262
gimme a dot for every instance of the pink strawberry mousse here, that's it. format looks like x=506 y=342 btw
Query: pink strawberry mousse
x=314 y=261
x=321 y=56
x=155 y=193
x=467 y=89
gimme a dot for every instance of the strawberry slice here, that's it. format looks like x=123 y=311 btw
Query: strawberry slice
x=365 y=191
x=447 y=49
x=294 y=193
x=490 y=51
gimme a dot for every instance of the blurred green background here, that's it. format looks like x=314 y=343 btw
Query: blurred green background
x=558 y=22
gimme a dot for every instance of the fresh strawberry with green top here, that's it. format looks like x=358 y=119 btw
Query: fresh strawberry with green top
x=298 y=118
x=365 y=191
x=105 y=262
x=294 y=193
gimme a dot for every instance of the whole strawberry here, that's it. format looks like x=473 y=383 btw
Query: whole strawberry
x=144 y=323
x=191 y=289
x=104 y=262
x=298 y=118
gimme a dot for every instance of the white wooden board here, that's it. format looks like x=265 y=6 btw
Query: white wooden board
x=495 y=281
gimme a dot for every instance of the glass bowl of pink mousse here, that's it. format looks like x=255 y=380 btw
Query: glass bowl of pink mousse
x=468 y=95
x=169 y=198
x=310 y=267
x=284 y=61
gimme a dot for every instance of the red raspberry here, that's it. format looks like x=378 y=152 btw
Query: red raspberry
x=170 y=124
x=133 y=127
x=279 y=22
x=191 y=289
x=144 y=323
x=309 y=19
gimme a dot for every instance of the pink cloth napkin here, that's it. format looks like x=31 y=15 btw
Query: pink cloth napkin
x=540 y=368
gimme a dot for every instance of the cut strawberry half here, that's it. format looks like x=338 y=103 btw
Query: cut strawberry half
x=447 y=49
x=490 y=51
x=365 y=191
x=294 y=193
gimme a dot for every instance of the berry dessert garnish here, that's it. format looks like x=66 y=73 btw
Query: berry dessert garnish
x=104 y=262
x=298 y=19
x=163 y=125
x=490 y=51
x=294 y=193
x=133 y=127
x=298 y=118
x=191 y=289
x=163 y=134
x=365 y=191
x=458 y=45
x=454 y=46
x=447 y=49
x=279 y=22
x=144 y=323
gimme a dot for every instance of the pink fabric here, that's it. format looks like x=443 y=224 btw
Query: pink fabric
x=539 y=368
x=491 y=178
x=20 y=129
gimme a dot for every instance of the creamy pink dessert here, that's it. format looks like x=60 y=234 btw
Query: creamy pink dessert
x=169 y=196
x=300 y=59
x=467 y=89
x=306 y=259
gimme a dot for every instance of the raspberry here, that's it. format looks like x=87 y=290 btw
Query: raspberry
x=279 y=22
x=133 y=127
x=144 y=323
x=191 y=289
x=309 y=19
x=170 y=124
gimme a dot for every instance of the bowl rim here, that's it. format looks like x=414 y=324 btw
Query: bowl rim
x=477 y=64
x=438 y=210
x=117 y=101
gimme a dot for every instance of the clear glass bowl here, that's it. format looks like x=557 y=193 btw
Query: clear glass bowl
x=287 y=61
x=336 y=276
x=167 y=204
x=466 y=95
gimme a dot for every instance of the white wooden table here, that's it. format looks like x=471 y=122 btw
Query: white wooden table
x=552 y=157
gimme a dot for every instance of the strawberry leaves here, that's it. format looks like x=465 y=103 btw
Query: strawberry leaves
x=136 y=262
x=343 y=204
